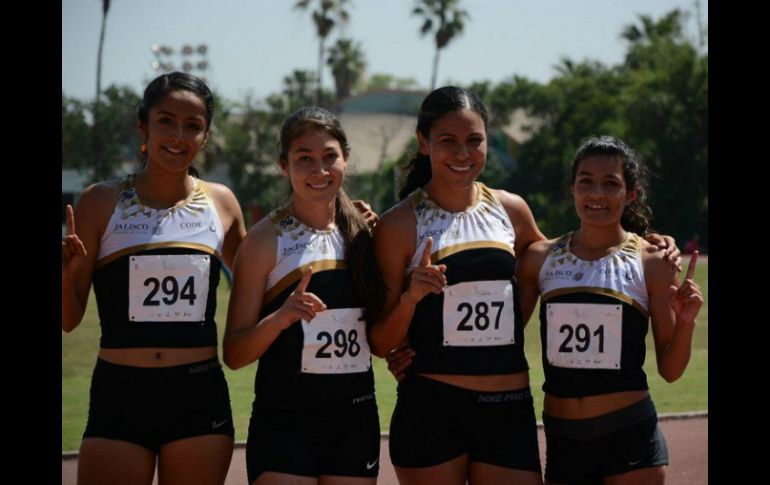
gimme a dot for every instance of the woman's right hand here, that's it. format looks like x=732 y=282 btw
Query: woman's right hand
x=366 y=212
x=425 y=277
x=300 y=305
x=72 y=249
x=399 y=359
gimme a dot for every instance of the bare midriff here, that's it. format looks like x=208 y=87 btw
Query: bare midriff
x=157 y=357
x=490 y=383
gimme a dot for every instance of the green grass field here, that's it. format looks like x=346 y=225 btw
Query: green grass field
x=79 y=350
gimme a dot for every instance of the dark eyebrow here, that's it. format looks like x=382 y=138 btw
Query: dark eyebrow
x=302 y=149
x=475 y=133
x=173 y=115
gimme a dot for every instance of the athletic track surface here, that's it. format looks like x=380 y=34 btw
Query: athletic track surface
x=686 y=436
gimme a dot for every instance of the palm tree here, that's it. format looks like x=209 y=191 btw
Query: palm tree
x=297 y=87
x=666 y=31
x=101 y=166
x=447 y=18
x=346 y=60
x=669 y=26
x=105 y=9
x=327 y=15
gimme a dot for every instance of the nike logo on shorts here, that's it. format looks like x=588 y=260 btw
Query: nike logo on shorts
x=216 y=425
x=369 y=466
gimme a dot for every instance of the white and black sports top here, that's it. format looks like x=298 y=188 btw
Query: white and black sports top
x=594 y=320
x=157 y=272
x=326 y=361
x=474 y=327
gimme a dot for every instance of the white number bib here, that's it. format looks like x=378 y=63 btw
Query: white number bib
x=478 y=313
x=584 y=335
x=168 y=288
x=335 y=343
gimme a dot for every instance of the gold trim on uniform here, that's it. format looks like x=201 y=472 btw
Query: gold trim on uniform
x=276 y=216
x=485 y=193
x=562 y=252
x=205 y=190
x=143 y=247
x=130 y=205
x=597 y=291
x=287 y=225
x=449 y=250
x=296 y=274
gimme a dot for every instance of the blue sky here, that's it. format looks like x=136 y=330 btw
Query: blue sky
x=253 y=44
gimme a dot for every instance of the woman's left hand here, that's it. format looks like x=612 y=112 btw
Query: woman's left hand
x=687 y=300
x=668 y=244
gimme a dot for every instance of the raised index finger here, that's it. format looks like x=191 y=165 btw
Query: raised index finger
x=691 y=265
x=302 y=286
x=70 y=220
x=425 y=261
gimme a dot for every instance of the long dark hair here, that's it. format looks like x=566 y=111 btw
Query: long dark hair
x=441 y=101
x=176 y=81
x=359 y=247
x=636 y=215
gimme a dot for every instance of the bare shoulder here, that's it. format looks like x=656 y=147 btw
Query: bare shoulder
x=258 y=248
x=656 y=267
x=542 y=247
x=509 y=200
x=514 y=205
x=395 y=234
x=506 y=197
x=522 y=219
x=397 y=219
x=101 y=193
x=222 y=194
x=97 y=202
x=261 y=234
x=536 y=253
x=217 y=190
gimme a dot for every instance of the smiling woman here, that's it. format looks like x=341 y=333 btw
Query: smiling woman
x=153 y=244
x=447 y=252
x=453 y=319
x=600 y=288
x=174 y=128
x=304 y=289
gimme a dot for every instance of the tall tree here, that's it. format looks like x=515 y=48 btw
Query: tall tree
x=326 y=16
x=117 y=134
x=666 y=108
x=101 y=166
x=446 y=19
x=249 y=149
x=656 y=100
x=105 y=9
x=297 y=89
x=75 y=134
x=346 y=59
x=666 y=30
